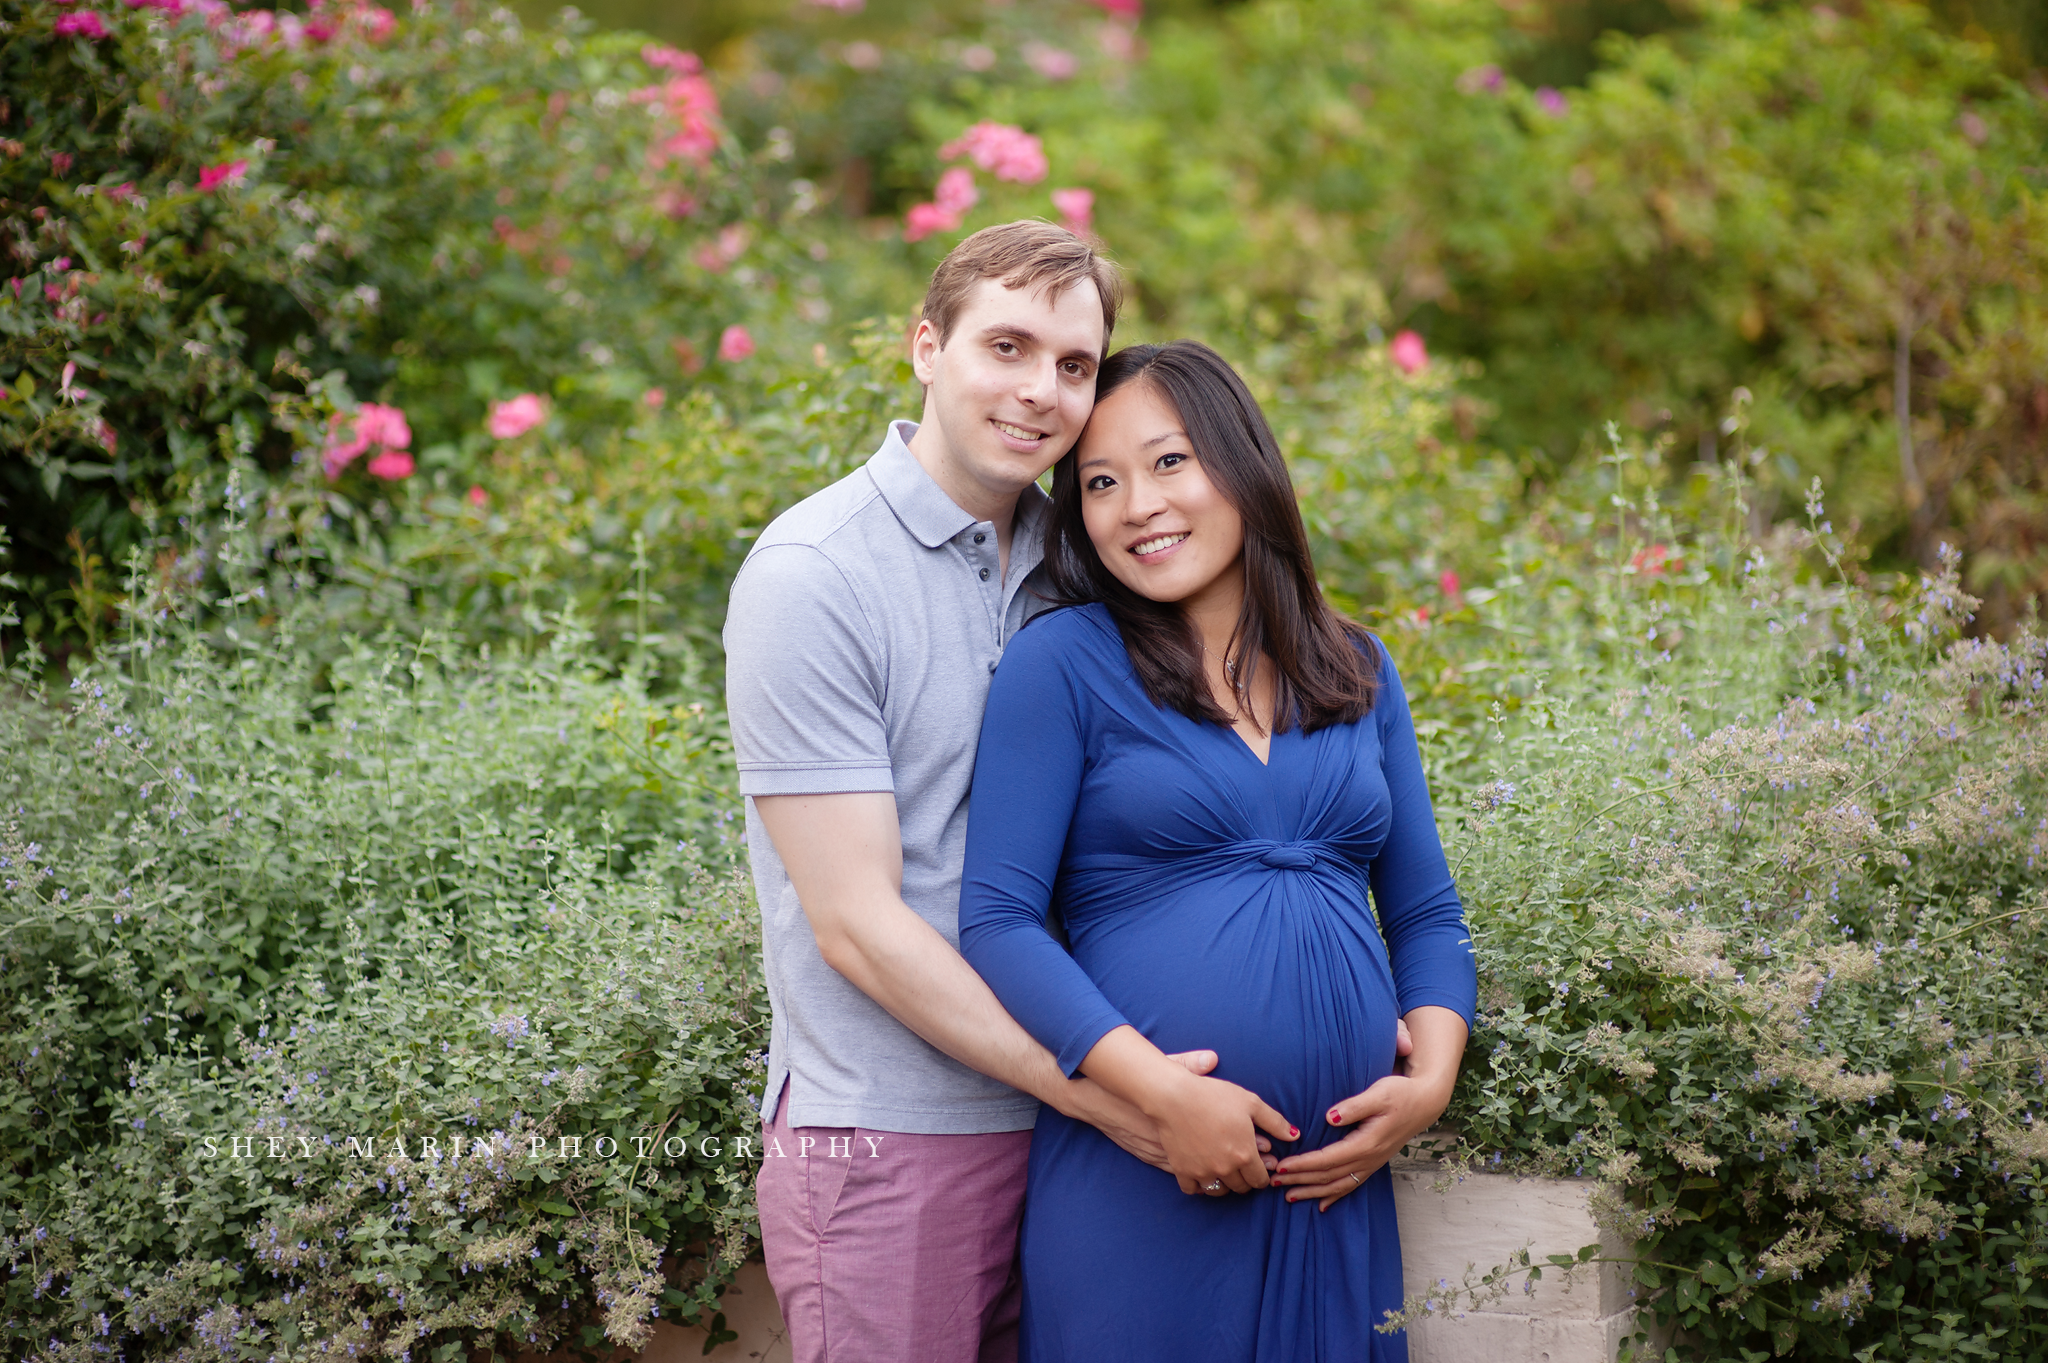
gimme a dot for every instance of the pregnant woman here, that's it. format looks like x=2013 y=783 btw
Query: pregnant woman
x=1199 y=770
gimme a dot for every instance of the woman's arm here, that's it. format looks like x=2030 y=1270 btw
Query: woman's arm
x=1027 y=781
x=1434 y=977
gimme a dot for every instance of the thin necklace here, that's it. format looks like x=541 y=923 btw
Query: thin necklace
x=1229 y=667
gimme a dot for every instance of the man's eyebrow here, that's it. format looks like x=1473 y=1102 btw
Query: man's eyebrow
x=1006 y=329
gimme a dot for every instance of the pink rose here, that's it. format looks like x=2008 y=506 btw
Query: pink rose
x=734 y=343
x=956 y=192
x=391 y=465
x=654 y=398
x=1076 y=208
x=374 y=425
x=85 y=24
x=924 y=219
x=1005 y=151
x=1408 y=353
x=477 y=496
x=516 y=416
x=378 y=23
x=226 y=173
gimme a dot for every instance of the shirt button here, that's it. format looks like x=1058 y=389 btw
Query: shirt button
x=984 y=574
x=979 y=536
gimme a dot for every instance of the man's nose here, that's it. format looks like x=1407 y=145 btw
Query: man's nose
x=1038 y=387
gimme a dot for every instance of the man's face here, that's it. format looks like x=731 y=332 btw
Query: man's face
x=1013 y=385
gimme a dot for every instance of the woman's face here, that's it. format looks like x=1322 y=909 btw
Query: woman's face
x=1159 y=523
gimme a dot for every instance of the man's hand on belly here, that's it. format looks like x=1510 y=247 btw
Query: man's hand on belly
x=1389 y=1114
x=1130 y=1128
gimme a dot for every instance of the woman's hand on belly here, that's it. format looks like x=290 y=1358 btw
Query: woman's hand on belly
x=1389 y=1114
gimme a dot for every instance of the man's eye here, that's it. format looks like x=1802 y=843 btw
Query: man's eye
x=1006 y=347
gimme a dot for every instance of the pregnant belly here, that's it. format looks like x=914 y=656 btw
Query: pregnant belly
x=1283 y=976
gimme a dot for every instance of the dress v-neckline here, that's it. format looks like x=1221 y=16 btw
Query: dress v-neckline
x=1246 y=744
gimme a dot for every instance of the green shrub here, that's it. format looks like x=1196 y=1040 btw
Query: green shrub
x=434 y=212
x=1758 y=880
x=413 y=890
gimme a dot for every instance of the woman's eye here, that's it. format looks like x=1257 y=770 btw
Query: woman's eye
x=1099 y=482
x=1167 y=461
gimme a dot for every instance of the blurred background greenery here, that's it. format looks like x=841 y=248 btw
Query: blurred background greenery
x=1820 y=226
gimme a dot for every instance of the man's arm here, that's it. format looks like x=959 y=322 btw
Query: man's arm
x=844 y=856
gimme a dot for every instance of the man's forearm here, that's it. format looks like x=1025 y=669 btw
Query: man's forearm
x=901 y=962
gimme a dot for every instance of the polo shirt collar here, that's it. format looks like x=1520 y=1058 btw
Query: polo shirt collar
x=922 y=505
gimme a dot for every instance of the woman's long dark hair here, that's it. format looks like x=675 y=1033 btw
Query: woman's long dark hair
x=1327 y=665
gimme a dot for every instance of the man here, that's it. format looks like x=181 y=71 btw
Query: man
x=862 y=632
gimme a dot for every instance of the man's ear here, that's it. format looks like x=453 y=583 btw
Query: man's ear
x=924 y=349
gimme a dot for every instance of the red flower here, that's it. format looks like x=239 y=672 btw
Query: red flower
x=477 y=496
x=1654 y=561
x=226 y=173
x=1448 y=582
x=735 y=343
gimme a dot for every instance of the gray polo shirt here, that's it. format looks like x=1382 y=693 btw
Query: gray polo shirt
x=861 y=635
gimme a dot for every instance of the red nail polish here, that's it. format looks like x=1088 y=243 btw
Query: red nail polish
x=1336 y=1117
x=1294 y=1133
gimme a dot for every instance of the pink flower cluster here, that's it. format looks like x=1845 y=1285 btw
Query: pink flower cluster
x=377 y=427
x=735 y=343
x=228 y=173
x=1005 y=151
x=1123 y=9
x=514 y=417
x=84 y=24
x=950 y=201
x=1076 y=208
x=688 y=100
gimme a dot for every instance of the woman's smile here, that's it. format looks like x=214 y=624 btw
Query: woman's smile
x=1154 y=549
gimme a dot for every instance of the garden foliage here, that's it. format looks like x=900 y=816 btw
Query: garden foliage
x=1757 y=886
x=262 y=901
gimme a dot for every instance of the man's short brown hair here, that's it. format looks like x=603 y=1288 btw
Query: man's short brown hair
x=1030 y=253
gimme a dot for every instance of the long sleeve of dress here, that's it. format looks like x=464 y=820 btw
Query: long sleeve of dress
x=1027 y=778
x=1420 y=916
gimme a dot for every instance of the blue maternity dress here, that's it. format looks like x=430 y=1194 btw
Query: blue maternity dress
x=1211 y=902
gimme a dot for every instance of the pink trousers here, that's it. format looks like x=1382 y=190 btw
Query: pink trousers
x=887 y=1247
